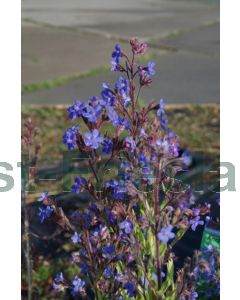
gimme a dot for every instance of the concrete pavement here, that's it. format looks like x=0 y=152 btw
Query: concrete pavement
x=61 y=39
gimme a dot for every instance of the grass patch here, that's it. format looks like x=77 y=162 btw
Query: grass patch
x=33 y=87
x=198 y=126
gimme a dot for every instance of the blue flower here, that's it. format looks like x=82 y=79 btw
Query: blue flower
x=195 y=222
x=78 y=286
x=187 y=158
x=150 y=68
x=92 y=139
x=76 y=238
x=119 y=191
x=148 y=176
x=120 y=277
x=142 y=159
x=69 y=137
x=130 y=144
x=83 y=267
x=166 y=234
x=113 y=66
x=43 y=196
x=208 y=294
x=101 y=230
x=92 y=113
x=127 y=226
x=119 y=188
x=126 y=99
x=107 y=146
x=75 y=110
x=193 y=295
x=125 y=170
x=45 y=213
x=79 y=185
x=113 y=116
x=196 y=211
x=59 y=278
x=108 y=95
x=122 y=84
x=162 y=115
x=108 y=272
x=108 y=250
x=162 y=145
x=131 y=289
x=112 y=183
x=116 y=54
x=161 y=110
x=111 y=219
x=58 y=287
x=117 y=120
x=174 y=147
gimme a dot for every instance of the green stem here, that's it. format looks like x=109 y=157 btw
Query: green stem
x=156 y=213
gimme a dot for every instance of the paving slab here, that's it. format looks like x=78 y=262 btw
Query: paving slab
x=182 y=77
x=205 y=39
x=51 y=52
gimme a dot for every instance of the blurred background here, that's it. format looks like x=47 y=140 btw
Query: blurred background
x=66 y=54
x=66 y=47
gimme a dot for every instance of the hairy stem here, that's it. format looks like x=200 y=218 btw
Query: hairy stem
x=93 y=170
x=156 y=214
x=27 y=247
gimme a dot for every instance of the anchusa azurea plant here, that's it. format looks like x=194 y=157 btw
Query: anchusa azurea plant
x=123 y=239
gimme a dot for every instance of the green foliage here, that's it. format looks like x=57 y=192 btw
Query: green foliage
x=211 y=237
x=42 y=273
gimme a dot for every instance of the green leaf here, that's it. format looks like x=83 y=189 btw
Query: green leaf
x=169 y=281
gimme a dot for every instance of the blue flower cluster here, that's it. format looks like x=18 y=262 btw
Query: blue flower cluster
x=197 y=220
x=79 y=185
x=108 y=95
x=78 y=286
x=116 y=55
x=89 y=110
x=45 y=213
x=117 y=120
x=118 y=187
x=75 y=110
x=70 y=137
x=108 y=251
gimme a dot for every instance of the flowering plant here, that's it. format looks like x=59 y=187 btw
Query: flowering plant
x=124 y=237
x=206 y=273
